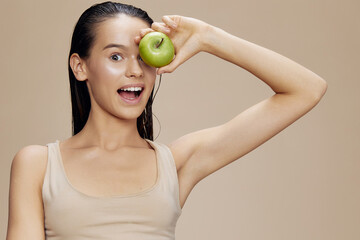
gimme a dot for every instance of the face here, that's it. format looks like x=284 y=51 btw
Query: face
x=115 y=63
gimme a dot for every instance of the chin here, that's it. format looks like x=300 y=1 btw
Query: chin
x=130 y=114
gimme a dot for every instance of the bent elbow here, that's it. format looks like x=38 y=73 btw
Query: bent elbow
x=312 y=96
x=320 y=90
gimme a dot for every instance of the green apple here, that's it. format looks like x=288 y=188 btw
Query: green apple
x=156 y=49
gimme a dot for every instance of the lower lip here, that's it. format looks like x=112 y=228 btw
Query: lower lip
x=132 y=101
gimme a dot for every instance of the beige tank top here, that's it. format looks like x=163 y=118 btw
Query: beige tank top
x=151 y=214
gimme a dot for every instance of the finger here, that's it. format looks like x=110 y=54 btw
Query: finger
x=160 y=27
x=142 y=33
x=137 y=39
x=145 y=31
x=168 y=21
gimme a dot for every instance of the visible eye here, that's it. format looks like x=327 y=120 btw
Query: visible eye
x=116 y=57
x=140 y=59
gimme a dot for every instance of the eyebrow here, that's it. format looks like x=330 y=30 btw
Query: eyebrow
x=111 y=45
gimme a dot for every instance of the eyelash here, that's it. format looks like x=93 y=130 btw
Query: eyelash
x=116 y=54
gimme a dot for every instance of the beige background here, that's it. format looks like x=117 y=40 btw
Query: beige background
x=302 y=184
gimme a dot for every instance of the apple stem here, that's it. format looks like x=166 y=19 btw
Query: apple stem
x=157 y=46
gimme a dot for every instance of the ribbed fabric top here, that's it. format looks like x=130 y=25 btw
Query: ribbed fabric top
x=151 y=214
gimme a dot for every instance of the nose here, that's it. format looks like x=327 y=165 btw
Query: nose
x=134 y=69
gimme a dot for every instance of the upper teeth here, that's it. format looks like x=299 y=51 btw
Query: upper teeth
x=132 y=89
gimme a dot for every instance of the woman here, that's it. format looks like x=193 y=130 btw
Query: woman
x=110 y=180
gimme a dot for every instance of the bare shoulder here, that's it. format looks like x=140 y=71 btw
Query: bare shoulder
x=26 y=214
x=31 y=155
x=30 y=161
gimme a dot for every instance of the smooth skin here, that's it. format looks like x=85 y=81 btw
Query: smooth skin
x=109 y=140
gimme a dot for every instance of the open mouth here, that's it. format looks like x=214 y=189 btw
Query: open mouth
x=130 y=93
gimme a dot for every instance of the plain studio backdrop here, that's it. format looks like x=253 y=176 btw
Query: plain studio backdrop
x=301 y=184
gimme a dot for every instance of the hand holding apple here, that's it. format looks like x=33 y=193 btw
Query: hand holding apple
x=188 y=35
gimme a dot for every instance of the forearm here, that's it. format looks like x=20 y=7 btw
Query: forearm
x=281 y=74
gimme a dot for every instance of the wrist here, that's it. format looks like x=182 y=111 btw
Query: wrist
x=210 y=40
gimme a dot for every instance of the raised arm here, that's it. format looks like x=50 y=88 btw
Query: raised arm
x=296 y=91
x=26 y=215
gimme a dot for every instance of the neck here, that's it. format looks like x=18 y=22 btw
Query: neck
x=109 y=132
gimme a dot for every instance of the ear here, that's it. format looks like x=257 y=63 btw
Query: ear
x=78 y=67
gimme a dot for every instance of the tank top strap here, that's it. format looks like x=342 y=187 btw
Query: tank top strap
x=54 y=180
x=167 y=161
x=167 y=169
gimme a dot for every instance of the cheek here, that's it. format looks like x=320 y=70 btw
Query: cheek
x=101 y=78
x=150 y=74
x=151 y=82
x=103 y=70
